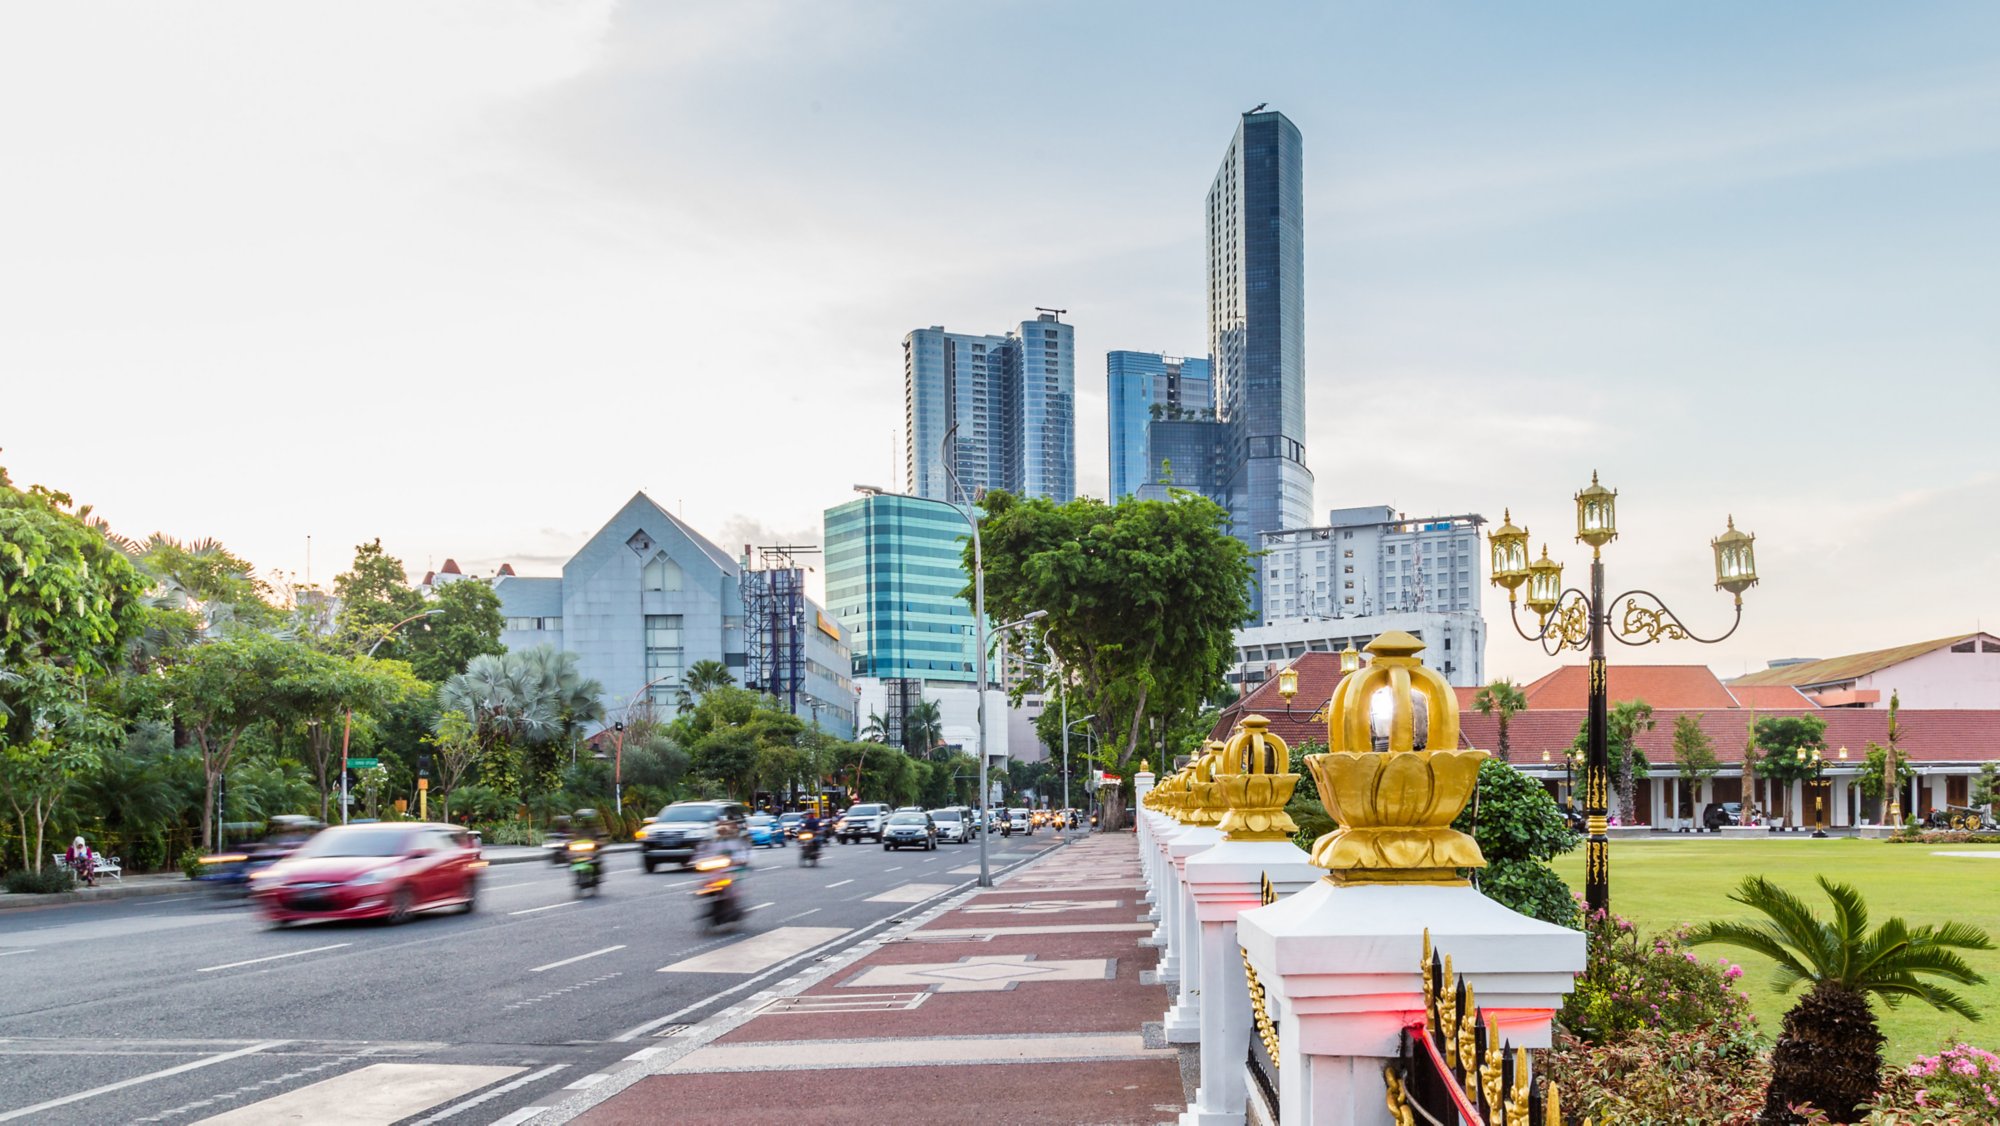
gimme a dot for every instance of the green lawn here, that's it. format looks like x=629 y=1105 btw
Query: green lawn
x=1659 y=884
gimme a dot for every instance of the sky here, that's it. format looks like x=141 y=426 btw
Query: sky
x=464 y=276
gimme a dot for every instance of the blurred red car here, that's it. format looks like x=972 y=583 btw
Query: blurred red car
x=378 y=871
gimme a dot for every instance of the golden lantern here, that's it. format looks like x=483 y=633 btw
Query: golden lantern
x=1735 y=560
x=1545 y=584
x=1288 y=683
x=1596 y=514
x=1253 y=782
x=1350 y=659
x=1510 y=554
x=1393 y=781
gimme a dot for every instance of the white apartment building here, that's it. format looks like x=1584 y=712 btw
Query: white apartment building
x=1371 y=561
x=1454 y=643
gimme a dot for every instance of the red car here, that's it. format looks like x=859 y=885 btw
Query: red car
x=378 y=871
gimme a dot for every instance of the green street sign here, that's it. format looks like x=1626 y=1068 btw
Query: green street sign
x=363 y=763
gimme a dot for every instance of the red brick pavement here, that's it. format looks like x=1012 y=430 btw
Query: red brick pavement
x=985 y=1040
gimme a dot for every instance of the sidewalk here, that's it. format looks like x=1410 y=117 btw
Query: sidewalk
x=1021 y=1003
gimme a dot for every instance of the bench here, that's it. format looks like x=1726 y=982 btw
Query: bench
x=105 y=865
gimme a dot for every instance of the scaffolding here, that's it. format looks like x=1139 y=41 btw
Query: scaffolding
x=774 y=609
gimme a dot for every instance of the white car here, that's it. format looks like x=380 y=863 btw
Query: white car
x=951 y=826
x=1021 y=821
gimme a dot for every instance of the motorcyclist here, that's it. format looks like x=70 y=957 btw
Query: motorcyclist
x=811 y=833
x=585 y=824
x=728 y=842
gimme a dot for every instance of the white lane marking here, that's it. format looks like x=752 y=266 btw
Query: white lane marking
x=272 y=958
x=841 y=883
x=909 y=893
x=587 y=1081
x=800 y=915
x=550 y=907
x=758 y=952
x=760 y=907
x=149 y=1077
x=646 y=1053
x=897 y=868
x=495 y=1093
x=381 y=1092
x=578 y=958
x=504 y=887
x=520 y=1116
x=24 y=950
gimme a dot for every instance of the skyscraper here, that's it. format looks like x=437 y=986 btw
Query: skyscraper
x=1142 y=387
x=893 y=577
x=1013 y=399
x=1256 y=324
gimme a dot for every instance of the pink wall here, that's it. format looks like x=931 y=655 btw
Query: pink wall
x=1942 y=679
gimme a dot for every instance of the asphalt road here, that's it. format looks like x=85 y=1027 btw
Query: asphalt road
x=183 y=1009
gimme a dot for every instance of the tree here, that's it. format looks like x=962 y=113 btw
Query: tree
x=1830 y=1052
x=1788 y=745
x=876 y=730
x=68 y=597
x=1143 y=600
x=525 y=706
x=1501 y=699
x=734 y=736
x=1983 y=786
x=1880 y=755
x=1519 y=830
x=205 y=579
x=325 y=694
x=1694 y=756
x=465 y=624
x=923 y=728
x=217 y=694
x=1626 y=761
x=374 y=595
x=49 y=737
x=707 y=675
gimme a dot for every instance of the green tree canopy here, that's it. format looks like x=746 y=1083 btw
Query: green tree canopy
x=1502 y=699
x=68 y=596
x=374 y=595
x=466 y=624
x=1787 y=744
x=1694 y=754
x=1143 y=601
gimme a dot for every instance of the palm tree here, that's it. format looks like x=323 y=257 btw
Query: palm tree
x=876 y=730
x=923 y=728
x=705 y=675
x=1830 y=1053
x=1501 y=698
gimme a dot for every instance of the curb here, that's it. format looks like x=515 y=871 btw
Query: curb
x=13 y=902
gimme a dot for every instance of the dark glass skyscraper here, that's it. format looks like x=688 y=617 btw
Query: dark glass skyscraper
x=1013 y=399
x=1141 y=388
x=1256 y=325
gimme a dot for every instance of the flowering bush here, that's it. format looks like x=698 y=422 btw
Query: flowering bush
x=1944 y=836
x=1632 y=983
x=1703 y=1075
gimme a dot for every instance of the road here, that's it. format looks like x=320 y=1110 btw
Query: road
x=184 y=1010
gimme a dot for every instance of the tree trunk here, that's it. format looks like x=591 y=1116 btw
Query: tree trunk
x=1506 y=754
x=1829 y=1055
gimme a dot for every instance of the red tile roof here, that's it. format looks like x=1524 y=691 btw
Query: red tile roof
x=450 y=568
x=1928 y=735
x=1769 y=696
x=1319 y=673
x=1663 y=686
x=505 y=569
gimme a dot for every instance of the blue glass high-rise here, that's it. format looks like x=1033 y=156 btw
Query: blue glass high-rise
x=1142 y=387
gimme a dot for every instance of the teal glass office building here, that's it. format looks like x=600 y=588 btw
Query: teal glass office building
x=893 y=579
x=1140 y=388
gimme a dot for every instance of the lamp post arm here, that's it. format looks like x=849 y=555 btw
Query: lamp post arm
x=1644 y=625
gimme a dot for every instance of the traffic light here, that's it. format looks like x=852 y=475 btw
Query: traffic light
x=423 y=766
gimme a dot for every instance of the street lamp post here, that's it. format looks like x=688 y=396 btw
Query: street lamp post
x=1574 y=619
x=1066 y=726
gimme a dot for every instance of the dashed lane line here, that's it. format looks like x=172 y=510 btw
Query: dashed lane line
x=136 y=1080
x=800 y=915
x=550 y=907
x=272 y=958
x=838 y=883
x=578 y=958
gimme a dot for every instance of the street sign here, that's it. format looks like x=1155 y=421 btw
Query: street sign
x=363 y=763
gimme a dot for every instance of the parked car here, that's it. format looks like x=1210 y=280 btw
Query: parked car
x=374 y=871
x=952 y=825
x=680 y=829
x=864 y=820
x=790 y=822
x=762 y=831
x=910 y=828
x=1719 y=814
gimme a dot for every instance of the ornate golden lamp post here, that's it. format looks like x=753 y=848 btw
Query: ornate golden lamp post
x=1574 y=619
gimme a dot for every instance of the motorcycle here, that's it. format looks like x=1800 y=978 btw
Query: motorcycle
x=585 y=865
x=719 y=891
x=808 y=849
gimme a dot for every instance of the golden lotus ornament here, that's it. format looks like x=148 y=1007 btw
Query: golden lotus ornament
x=1203 y=803
x=1392 y=795
x=1253 y=784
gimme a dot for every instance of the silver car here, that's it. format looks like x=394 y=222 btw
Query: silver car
x=951 y=825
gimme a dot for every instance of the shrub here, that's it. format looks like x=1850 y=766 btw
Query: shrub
x=1519 y=829
x=1631 y=983
x=1911 y=835
x=1699 y=1075
x=509 y=833
x=145 y=853
x=47 y=881
x=191 y=863
x=1959 y=1084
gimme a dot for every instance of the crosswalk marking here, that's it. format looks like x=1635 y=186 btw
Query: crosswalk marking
x=909 y=893
x=504 y=1088
x=205 y=1061
x=376 y=1095
x=757 y=952
x=520 y=1116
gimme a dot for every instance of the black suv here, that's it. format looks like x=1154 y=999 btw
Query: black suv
x=1723 y=813
x=683 y=827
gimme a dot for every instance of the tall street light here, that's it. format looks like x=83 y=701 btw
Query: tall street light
x=1066 y=727
x=1573 y=619
x=985 y=874
x=347 y=720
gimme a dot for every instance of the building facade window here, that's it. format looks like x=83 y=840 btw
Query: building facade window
x=666 y=656
x=662 y=574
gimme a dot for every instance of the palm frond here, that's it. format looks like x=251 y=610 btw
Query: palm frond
x=1757 y=937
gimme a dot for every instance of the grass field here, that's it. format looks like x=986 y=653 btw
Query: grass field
x=1659 y=884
